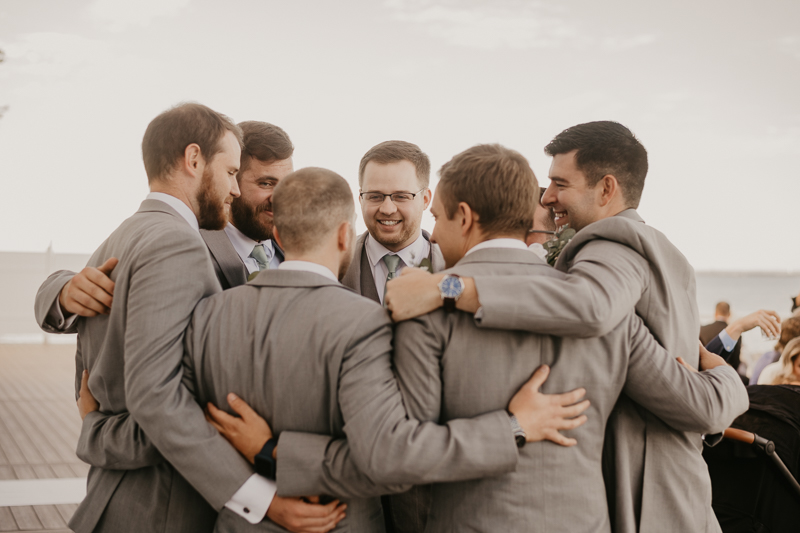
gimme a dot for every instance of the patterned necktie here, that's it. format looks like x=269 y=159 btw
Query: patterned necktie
x=260 y=256
x=392 y=261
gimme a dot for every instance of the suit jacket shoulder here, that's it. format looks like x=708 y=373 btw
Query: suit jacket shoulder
x=228 y=266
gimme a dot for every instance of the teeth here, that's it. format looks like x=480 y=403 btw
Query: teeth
x=389 y=222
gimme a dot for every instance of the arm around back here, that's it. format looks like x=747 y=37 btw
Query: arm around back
x=699 y=402
x=603 y=284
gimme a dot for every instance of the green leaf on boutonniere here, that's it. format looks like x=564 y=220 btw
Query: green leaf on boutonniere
x=253 y=275
x=425 y=264
x=557 y=244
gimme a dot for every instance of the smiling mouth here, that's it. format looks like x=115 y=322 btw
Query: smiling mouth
x=389 y=223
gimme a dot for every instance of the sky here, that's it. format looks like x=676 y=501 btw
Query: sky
x=710 y=88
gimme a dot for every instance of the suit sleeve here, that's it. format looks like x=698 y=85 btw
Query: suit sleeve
x=161 y=297
x=45 y=305
x=115 y=442
x=382 y=443
x=698 y=402
x=604 y=283
x=715 y=346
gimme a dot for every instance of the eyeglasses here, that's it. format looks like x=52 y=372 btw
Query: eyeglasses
x=375 y=197
x=541 y=231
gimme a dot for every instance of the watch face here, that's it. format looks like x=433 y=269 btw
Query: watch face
x=451 y=287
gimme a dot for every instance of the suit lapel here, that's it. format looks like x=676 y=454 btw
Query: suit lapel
x=231 y=266
x=367 y=280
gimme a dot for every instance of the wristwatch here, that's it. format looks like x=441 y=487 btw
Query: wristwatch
x=519 y=434
x=450 y=289
x=265 y=464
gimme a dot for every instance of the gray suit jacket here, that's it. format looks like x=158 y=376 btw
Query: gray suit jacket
x=228 y=266
x=310 y=355
x=657 y=479
x=134 y=357
x=449 y=368
x=359 y=275
x=407 y=512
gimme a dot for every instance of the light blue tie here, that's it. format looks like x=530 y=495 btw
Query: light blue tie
x=392 y=261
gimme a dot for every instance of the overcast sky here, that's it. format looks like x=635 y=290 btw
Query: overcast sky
x=711 y=89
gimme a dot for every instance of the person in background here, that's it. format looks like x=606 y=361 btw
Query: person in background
x=790 y=329
x=727 y=341
x=788 y=368
x=544 y=227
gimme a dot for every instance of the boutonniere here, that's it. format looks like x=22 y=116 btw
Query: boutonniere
x=425 y=264
x=555 y=245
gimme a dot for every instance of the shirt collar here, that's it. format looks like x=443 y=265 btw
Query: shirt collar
x=244 y=245
x=498 y=243
x=307 y=266
x=182 y=209
x=411 y=254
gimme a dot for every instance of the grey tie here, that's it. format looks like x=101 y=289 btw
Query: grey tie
x=260 y=256
x=392 y=261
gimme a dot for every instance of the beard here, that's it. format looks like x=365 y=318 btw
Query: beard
x=245 y=218
x=212 y=215
x=409 y=229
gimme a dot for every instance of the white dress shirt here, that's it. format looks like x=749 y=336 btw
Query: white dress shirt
x=308 y=266
x=411 y=255
x=244 y=247
x=498 y=243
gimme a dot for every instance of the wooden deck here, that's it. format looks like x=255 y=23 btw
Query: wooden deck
x=39 y=426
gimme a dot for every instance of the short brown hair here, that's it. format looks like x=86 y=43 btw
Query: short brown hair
x=308 y=204
x=168 y=135
x=790 y=329
x=605 y=147
x=723 y=309
x=392 y=151
x=265 y=142
x=497 y=183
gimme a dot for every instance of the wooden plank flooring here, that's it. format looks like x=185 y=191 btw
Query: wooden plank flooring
x=39 y=427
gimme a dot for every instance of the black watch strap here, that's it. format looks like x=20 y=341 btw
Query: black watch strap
x=264 y=463
x=449 y=304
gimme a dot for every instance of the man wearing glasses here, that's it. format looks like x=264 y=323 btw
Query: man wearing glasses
x=393 y=180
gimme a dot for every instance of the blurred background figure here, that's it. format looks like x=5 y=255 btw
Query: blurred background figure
x=790 y=329
x=726 y=339
x=786 y=370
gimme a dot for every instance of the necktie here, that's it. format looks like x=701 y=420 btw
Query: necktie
x=260 y=256
x=392 y=261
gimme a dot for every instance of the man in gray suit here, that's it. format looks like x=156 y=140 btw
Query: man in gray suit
x=482 y=206
x=115 y=441
x=657 y=479
x=133 y=354
x=245 y=246
x=393 y=179
x=311 y=356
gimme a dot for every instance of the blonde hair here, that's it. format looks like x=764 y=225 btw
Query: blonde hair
x=789 y=354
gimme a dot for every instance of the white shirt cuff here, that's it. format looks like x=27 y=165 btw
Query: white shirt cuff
x=253 y=499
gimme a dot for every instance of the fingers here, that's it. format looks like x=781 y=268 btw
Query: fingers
x=84 y=383
x=107 y=267
x=538 y=378
x=687 y=365
x=560 y=439
x=100 y=279
x=219 y=416
x=569 y=398
x=574 y=410
x=241 y=407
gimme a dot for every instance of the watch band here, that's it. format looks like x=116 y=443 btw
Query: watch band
x=265 y=464
x=449 y=304
x=520 y=437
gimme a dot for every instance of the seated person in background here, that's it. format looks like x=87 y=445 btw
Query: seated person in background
x=789 y=330
x=787 y=370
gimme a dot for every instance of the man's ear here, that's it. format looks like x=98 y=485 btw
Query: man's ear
x=426 y=197
x=276 y=237
x=343 y=236
x=193 y=160
x=609 y=189
x=468 y=218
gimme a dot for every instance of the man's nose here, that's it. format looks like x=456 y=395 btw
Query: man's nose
x=387 y=207
x=549 y=197
x=235 y=192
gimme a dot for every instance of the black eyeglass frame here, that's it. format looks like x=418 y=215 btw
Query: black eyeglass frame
x=413 y=195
